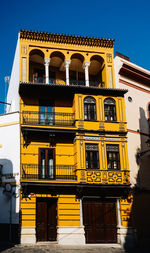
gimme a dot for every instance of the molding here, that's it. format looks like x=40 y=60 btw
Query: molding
x=134 y=86
x=137 y=132
x=9 y=124
x=66 y=39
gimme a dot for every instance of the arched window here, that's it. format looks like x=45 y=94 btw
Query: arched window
x=89 y=109
x=110 y=109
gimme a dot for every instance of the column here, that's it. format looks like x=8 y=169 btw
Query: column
x=46 y=63
x=67 y=62
x=86 y=68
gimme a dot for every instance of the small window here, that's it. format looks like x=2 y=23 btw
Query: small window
x=92 y=156
x=89 y=109
x=113 y=158
x=110 y=109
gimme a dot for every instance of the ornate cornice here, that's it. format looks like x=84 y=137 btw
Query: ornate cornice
x=67 y=39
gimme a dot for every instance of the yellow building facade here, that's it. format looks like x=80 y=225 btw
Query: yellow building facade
x=73 y=160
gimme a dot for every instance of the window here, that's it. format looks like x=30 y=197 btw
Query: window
x=89 y=109
x=46 y=115
x=46 y=163
x=92 y=156
x=113 y=159
x=110 y=109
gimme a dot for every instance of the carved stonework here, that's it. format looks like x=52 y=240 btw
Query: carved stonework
x=82 y=176
x=81 y=124
x=121 y=127
x=101 y=126
x=109 y=58
x=108 y=177
x=93 y=177
x=24 y=49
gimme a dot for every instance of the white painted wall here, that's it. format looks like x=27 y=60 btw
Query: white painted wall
x=136 y=114
x=10 y=159
x=13 y=95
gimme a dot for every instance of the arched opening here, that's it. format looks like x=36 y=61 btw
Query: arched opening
x=110 y=110
x=76 y=71
x=96 y=71
x=56 y=68
x=89 y=109
x=36 y=66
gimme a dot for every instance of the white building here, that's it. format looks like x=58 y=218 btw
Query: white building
x=10 y=160
x=137 y=100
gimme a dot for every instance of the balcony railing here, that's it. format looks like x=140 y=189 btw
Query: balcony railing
x=108 y=176
x=39 y=172
x=55 y=81
x=48 y=118
x=69 y=172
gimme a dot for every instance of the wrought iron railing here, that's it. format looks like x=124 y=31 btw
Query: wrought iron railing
x=48 y=118
x=40 y=172
x=108 y=176
x=56 y=81
x=82 y=83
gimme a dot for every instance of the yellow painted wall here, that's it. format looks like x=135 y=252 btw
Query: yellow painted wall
x=68 y=210
x=126 y=211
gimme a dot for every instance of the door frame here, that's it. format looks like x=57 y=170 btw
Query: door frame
x=105 y=200
x=46 y=199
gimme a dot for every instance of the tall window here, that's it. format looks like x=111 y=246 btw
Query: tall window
x=46 y=163
x=46 y=115
x=110 y=109
x=92 y=156
x=113 y=158
x=89 y=109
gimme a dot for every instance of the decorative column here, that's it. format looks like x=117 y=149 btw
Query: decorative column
x=46 y=63
x=86 y=68
x=67 y=62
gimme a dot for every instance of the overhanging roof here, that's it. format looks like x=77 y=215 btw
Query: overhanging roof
x=28 y=88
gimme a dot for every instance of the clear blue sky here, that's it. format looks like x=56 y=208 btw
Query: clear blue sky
x=127 y=21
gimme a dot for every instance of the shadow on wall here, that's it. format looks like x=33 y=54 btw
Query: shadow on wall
x=140 y=214
x=9 y=215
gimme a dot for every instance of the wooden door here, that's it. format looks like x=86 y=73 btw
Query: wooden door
x=52 y=220
x=99 y=219
x=46 y=219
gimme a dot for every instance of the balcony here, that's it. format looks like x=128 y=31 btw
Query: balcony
x=108 y=177
x=39 y=172
x=47 y=118
x=34 y=172
x=72 y=82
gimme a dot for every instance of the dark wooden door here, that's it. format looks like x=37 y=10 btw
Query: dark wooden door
x=99 y=219
x=46 y=219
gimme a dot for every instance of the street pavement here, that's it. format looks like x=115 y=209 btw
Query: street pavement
x=55 y=248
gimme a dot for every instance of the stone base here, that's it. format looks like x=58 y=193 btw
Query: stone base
x=71 y=235
x=126 y=237
x=28 y=235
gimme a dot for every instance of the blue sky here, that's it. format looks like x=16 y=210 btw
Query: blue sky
x=127 y=21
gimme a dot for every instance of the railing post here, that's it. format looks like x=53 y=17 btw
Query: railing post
x=46 y=63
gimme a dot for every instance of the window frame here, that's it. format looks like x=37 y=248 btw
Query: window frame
x=89 y=108
x=114 y=154
x=91 y=164
x=47 y=120
x=46 y=176
x=112 y=112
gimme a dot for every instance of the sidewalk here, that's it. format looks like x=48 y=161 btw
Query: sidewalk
x=55 y=248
